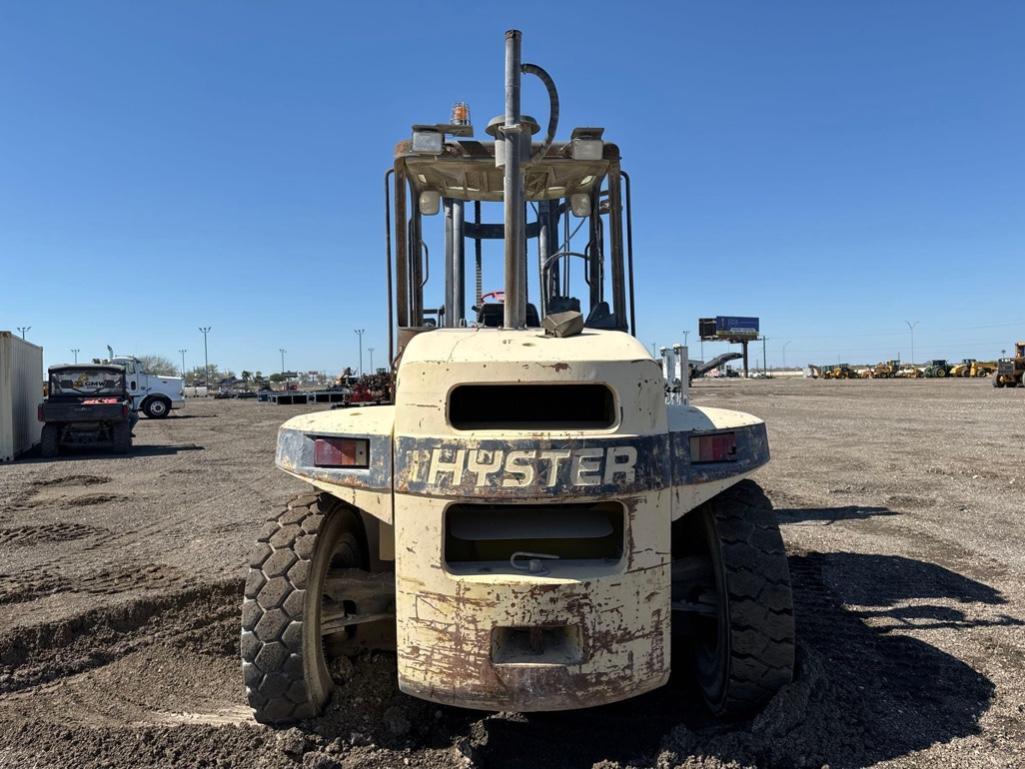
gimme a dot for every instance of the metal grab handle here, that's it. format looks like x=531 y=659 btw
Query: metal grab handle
x=534 y=565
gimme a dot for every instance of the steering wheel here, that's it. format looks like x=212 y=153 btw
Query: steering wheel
x=498 y=296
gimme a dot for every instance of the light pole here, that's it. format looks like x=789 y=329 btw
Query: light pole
x=371 y=351
x=785 y=353
x=685 y=335
x=282 y=350
x=359 y=333
x=74 y=351
x=183 y=350
x=23 y=329
x=654 y=352
x=702 y=350
x=911 y=328
x=206 y=357
x=765 y=360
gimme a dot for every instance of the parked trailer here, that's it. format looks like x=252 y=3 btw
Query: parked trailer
x=21 y=392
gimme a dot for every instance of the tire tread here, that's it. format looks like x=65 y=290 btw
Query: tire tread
x=273 y=666
x=763 y=641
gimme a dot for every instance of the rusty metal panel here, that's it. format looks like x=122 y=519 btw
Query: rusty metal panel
x=446 y=622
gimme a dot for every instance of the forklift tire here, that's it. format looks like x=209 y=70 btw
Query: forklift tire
x=747 y=650
x=283 y=659
x=122 y=438
x=157 y=408
x=49 y=441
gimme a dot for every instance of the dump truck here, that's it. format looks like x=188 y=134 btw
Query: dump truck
x=540 y=520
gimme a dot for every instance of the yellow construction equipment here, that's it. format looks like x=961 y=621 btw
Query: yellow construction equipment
x=885 y=370
x=1010 y=371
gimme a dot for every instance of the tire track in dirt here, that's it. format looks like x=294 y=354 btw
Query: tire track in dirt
x=184 y=619
x=34 y=583
x=47 y=533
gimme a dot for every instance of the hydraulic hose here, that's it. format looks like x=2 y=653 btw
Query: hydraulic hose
x=553 y=100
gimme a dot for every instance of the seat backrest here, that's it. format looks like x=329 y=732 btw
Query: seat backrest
x=563 y=304
x=601 y=317
x=492 y=315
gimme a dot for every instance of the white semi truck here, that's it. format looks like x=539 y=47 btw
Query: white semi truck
x=152 y=394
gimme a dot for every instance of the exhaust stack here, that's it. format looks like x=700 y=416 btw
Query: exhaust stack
x=512 y=133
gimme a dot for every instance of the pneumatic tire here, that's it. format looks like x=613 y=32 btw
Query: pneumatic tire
x=157 y=408
x=283 y=662
x=748 y=652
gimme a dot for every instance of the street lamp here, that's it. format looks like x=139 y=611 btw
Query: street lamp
x=282 y=350
x=685 y=334
x=74 y=351
x=360 y=332
x=23 y=329
x=911 y=328
x=204 y=330
x=371 y=351
x=183 y=350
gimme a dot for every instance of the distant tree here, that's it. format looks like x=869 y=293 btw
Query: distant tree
x=199 y=374
x=158 y=364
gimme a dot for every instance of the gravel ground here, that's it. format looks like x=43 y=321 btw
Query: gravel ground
x=120 y=584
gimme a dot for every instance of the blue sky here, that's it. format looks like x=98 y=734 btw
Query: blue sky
x=835 y=169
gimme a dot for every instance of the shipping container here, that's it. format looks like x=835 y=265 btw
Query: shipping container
x=21 y=392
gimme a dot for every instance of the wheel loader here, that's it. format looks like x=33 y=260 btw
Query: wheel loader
x=964 y=368
x=884 y=370
x=540 y=520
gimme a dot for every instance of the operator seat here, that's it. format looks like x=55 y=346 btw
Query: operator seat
x=492 y=314
x=601 y=317
x=563 y=304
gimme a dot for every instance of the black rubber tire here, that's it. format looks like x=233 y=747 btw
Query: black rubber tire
x=753 y=652
x=283 y=663
x=122 y=437
x=157 y=408
x=49 y=441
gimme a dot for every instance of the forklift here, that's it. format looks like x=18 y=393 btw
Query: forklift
x=540 y=520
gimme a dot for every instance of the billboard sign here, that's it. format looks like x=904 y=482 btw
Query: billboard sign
x=729 y=327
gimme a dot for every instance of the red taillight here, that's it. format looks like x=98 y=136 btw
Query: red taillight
x=721 y=447
x=39 y=413
x=341 y=452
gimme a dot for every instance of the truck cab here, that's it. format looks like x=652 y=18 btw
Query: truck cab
x=152 y=394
